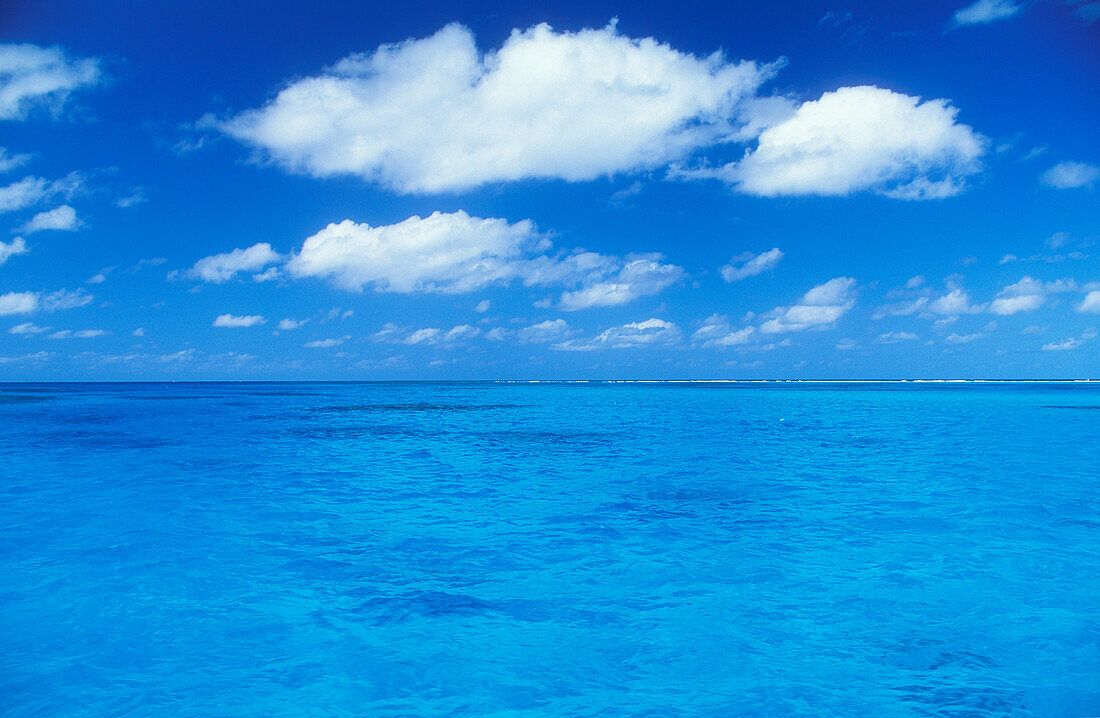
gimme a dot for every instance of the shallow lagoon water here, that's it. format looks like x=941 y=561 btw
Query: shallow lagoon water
x=550 y=550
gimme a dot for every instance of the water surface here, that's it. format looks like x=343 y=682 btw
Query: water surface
x=549 y=550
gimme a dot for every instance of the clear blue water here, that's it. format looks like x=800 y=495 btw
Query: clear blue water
x=549 y=550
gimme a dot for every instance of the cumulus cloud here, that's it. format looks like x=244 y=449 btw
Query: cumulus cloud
x=33 y=77
x=749 y=264
x=287 y=325
x=717 y=332
x=1091 y=303
x=446 y=253
x=551 y=330
x=861 y=139
x=61 y=218
x=1070 y=175
x=27 y=302
x=635 y=334
x=639 y=276
x=432 y=115
x=456 y=253
x=954 y=302
x=819 y=308
x=233 y=321
x=23 y=193
x=985 y=11
x=220 y=268
x=12 y=248
x=1027 y=295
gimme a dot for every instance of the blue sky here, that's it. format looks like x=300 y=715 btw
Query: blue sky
x=209 y=190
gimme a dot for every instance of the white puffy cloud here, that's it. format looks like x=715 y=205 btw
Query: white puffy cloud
x=819 y=308
x=220 y=268
x=861 y=138
x=1091 y=303
x=456 y=253
x=717 y=332
x=1070 y=175
x=27 y=302
x=750 y=265
x=431 y=115
x=61 y=218
x=985 y=11
x=23 y=193
x=233 y=321
x=287 y=325
x=33 y=76
x=639 y=276
x=482 y=306
x=1027 y=295
x=447 y=253
x=955 y=302
x=1071 y=343
x=12 y=248
x=551 y=330
x=8 y=161
x=635 y=334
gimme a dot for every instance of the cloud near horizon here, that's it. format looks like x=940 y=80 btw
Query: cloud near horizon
x=449 y=253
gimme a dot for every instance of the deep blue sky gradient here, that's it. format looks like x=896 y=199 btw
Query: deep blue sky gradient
x=1024 y=82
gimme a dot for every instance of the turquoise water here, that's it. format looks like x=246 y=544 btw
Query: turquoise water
x=549 y=550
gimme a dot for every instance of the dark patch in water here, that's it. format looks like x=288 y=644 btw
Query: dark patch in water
x=409 y=407
x=1071 y=406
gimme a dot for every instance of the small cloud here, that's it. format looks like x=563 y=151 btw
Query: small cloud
x=139 y=332
x=101 y=276
x=61 y=218
x=41 y=77
x=985 y=11
x=8 y=162
x=1091 y=303
x=136 y=197
x=326 y=343
x=749 y=264
x=230 y=320
x=482 y=306
x=651 y=332
x=10 y=249
x=895 y=337
x=819 y=308
x=219 y=268
x=287 y=325
x=80 y=334
x=1070 y=175
x=28 y=328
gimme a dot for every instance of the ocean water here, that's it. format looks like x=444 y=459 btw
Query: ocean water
x=549 y=550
